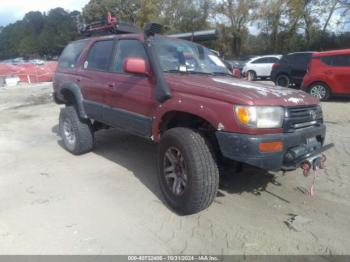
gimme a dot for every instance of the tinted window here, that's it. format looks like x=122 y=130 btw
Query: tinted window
x=128 y=49
x=341 y=60
x=273 y=60
x=300 y=60
x=285 y=59
x=328 y=60
x=71 y=53
x=99 y=56
x=259 y=61
x=266 y=60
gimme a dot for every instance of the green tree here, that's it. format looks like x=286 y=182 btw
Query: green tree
x=238 y=13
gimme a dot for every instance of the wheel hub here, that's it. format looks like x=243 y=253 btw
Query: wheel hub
x=175 y=171
x=318 y=91
x=69 y=131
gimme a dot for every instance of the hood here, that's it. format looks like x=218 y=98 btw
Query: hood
x=238 y=91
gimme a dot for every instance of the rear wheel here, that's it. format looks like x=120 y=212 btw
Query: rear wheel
x=320 y=91
x=76 y=133
x=188 y=173
x=283 y=80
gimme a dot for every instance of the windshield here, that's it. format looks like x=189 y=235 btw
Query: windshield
x=183 y=56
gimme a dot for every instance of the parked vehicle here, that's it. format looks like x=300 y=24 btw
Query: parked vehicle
x=233 y=68
x=260 y=67
x=180 y=95
x=291 y=69
x=328 y=74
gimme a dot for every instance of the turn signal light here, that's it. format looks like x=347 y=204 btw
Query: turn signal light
x=243 y=115
x=271 y=147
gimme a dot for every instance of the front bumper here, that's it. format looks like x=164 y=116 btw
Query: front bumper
x=297 y=146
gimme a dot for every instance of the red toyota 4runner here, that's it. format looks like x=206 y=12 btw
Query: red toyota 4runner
x=180 y=94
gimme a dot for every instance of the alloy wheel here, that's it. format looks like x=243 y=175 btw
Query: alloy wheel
x=318 y=91
x=175 y=171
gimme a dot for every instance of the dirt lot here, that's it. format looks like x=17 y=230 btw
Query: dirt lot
x=108 y=201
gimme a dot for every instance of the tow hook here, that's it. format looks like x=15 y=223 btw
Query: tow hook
x=315 y=163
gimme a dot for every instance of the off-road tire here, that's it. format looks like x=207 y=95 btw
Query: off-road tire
x=201 y=171
x=81 y=128
x=320 y=90
x=283 y=80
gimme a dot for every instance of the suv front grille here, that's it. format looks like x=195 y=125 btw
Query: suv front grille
x=302 y=117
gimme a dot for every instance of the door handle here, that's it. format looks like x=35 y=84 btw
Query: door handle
x=329 y=72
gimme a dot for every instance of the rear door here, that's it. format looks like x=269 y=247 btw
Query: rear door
x=95 y=77
x=258 y=66
x=299 y=64
x=66 y=70
x=340 y=72
x=131 y=101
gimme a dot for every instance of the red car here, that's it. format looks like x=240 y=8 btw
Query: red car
x=328 y=74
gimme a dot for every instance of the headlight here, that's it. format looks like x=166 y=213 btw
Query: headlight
x=260 y=116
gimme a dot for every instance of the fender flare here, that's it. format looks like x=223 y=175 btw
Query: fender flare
x=75 y=90
x=208 y=116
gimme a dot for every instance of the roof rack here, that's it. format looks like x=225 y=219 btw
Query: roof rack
x=107 y=25
x=112 y=25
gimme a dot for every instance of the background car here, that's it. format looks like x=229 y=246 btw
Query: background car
x=328 y=74
x=234 y=68
x=260 y=67
x=291 y=69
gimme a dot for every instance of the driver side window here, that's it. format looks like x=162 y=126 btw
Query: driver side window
x=128 y=49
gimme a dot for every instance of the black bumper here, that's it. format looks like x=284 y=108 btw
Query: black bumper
x=297 y=146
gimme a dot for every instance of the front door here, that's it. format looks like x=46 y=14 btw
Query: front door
x=131 y=100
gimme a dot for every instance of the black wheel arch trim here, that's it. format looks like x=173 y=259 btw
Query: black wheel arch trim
x=75 y=90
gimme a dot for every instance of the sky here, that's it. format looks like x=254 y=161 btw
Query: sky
x=13 y=10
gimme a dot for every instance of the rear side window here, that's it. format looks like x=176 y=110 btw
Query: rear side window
x=273 y=60
x=99 y=56
x=300 y=60
x=71 y=53
x=263 y=60
x=128 y=49
x=341 y=60
x=285 y=59
x=328 y=60
x=338 y=60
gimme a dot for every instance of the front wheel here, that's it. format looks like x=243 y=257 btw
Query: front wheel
x=188 y=173
x=320 y=91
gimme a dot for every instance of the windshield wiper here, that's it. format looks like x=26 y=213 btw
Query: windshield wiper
x=199 y=73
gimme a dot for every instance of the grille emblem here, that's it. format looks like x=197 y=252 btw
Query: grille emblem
x=312 y=114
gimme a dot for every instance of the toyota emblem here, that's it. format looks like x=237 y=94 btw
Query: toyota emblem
x=313 y=115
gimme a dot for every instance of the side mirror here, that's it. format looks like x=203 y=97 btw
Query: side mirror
x=136 y=66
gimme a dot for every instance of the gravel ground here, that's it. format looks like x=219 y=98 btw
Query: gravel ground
x=108 y=201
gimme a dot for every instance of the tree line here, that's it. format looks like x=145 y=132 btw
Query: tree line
x=247 y=27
